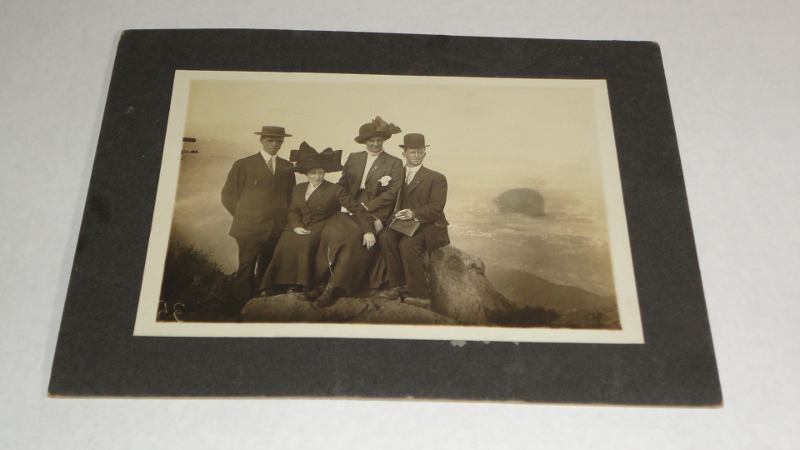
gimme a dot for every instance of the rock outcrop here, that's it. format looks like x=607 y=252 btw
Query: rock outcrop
x=462 y=295
x=461 y=290
x=523 y=201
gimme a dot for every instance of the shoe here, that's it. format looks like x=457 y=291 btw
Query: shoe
x=310 y=295
x=418 y=302
x=327 y=297
x=393 y=292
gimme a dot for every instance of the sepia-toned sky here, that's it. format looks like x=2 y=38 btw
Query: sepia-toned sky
x=479 y=130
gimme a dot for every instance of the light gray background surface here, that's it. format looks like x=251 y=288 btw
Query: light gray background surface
x=732 y=68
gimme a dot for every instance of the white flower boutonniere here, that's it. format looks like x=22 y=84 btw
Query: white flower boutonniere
x=384 y=180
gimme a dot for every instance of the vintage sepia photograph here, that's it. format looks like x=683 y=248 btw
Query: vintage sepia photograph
x=385 y=206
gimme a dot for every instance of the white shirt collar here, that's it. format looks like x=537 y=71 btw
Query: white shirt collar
x=268 y=157
x=413 y=169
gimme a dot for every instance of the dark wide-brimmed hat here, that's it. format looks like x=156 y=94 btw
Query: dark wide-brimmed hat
x=413 y=140
x=306 y=158
x=378 y=127
x=272 y=131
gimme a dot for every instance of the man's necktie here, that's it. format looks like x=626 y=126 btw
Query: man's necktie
x=269 y=164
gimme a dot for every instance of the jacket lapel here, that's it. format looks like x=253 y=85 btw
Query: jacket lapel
x=265 y=168
x=360 y=165
x=375 y=166
x=317 y=192
x=418 y=178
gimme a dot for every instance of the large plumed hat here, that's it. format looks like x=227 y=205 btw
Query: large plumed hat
x=378 y=127
x=307 y=158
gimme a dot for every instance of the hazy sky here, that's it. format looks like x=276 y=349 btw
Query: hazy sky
x=484 y=131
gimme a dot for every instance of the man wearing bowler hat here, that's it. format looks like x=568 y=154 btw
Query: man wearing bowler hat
x=257 y=193
x=420 y=225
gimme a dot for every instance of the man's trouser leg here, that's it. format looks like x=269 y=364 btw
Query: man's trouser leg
x=264 y=256
x=388 y=241
x=412 y=250
x=249 y=249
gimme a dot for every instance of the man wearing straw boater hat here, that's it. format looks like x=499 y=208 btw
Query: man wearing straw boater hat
x=257 y=194
x=418 y=225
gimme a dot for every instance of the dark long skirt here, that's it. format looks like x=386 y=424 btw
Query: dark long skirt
x=293 y=262
x=342 y=260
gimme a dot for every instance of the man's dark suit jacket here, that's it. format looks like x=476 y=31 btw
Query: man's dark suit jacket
x=380 y=200
x=426 y=197
x=256 y=198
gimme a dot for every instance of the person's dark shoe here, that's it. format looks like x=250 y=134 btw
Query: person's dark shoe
x=397 y=292
x=418 y=302
x=327 y=297
x=312 y=294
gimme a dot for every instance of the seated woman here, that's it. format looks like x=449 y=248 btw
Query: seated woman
x=321 y=245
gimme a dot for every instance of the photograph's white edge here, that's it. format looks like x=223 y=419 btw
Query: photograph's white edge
x=622 y=264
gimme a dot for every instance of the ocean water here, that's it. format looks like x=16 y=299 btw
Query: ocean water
x=568 y=245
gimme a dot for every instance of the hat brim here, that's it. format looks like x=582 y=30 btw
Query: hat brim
x=364 y=138
x=272 y=135
x=406 y=146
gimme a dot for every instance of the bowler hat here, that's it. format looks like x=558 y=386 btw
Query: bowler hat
x=378 y=127
x=272 y=131
x=413 y=140
x=306 y=158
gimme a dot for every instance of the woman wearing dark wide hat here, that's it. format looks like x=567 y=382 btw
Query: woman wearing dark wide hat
x=376 y=128
x=321 y=252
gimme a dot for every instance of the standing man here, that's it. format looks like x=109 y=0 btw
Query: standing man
x=420 y=216
x=373 y=178
x=257 y=194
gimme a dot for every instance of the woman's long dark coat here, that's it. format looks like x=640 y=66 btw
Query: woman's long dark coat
x=332 y=251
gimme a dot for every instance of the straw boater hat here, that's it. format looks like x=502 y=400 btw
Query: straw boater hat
x=413 y=140
x=306 y=158
x=378 y=127
x=272 y=131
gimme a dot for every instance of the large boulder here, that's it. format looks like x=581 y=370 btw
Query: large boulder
x=522 y=200
x=461 y=290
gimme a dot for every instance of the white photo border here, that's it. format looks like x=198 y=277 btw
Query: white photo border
x=619 y=244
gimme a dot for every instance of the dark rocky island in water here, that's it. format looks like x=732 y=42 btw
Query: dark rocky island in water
x=521 y=200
